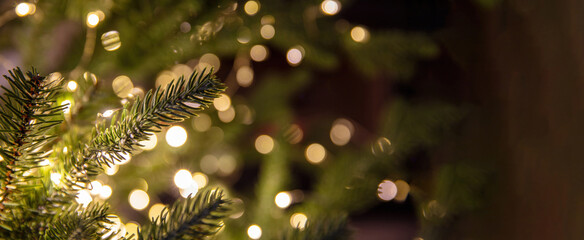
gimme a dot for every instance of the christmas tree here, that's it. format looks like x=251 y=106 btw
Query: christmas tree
x=264 y=160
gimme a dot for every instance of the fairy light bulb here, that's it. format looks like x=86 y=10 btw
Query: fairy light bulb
x=183 y=178
x=298 y=220
x=264 y=144
x=283 y=199
x=267 y=31
x=24 y=9
x=386 y=190
x=251 y=7
x=95 y=188
x=222 y=103
x=315 y=153
x=138 y=199
x=155 y=210
x=359 y=34
x=294 y=56
x=105 y=192
x=149 y=143
x=83 y=197
x=330 y=7
x=254 y=231
x=176 y=136
x=92 y=19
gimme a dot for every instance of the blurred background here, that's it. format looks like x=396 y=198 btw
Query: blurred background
x=404 y=119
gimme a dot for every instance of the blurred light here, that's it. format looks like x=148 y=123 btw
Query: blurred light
x=227 y=115
x=433 y=210
x=72 y=86
x=111 y=170
x=115 y=226
x=222 y=103
x=294 y=56
x=142 y=184
x=95 y=188
x=149 y=143
x=111 y=41
x=24 y=9
x=298 y=220
x=267 y=31
x=185 y=27
x=108 y=113
x=191 y=190
x=254 y=231
x=92 y=19
x=244 y=35
x=201 y=179
x=182 y=178
x=227 y=164
x=212 y=60
x=244 y=76
x=202 y=122
x=238 y=208
x=68 y=107
x=155 y=211
x=382 y=146
x=176 y=136
x=341 y=131
x=245 y=113
x=264 y=144
x=138 y=199
x=315 y=153
x=258 y=53
x=359 y=34
x=294 y=134
x=132 y=228
x=43 y=163
x=209 y=164
x=56 y=178
x=283 y=199
x=65 y=149
x=137 y=92
x=386 y=190
x=251 y=7
x=106 y=192
x=330 y=7
x=90 y=77
x=268 y=19
x=165 y=78
x=83 y=197
x=403 y=189
x=122 y=86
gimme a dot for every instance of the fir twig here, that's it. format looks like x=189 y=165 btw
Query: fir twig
x=192 y=218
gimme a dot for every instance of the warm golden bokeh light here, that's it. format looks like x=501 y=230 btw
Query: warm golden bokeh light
x=298 y=220
x=341 y=131
x=183 y=178
x=294 y=56
x=254 y=232
x=244 y=76
x=106 y=192
x=258 y=53
x=176 y=136
x=202 y=122
x=72 y=86
x=24 y=9
x=92 y=20
x=330 y=7
x=201 y=179
x=122 y=86
x=403 y=189
x=283 y=199
x=149 y=143
x=227 y=115
x=264 y=144
x=155 y=210
x=386 y=190
x=315 y=153
x=267 y=31
x=111 y=41
x=138 y=199
x=360 y=34
x=251 y=7
x=222 y=103
x=211 y=60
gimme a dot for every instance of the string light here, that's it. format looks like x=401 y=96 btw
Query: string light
x=330 y=7
x=201 y=179
x=244 y=35
x=111 y=170
x=106 y=192
x=298 y=220
x=315 y=153
x=386 y=190
x=176 y=136
x=403 y=189
x=341 y=131
x=132 y=228
x=264 y=144
x=115 y=226
x=360 y=34
x=251 y=7
x=227 y=115
x=122 y=86
x=56 y=178
x=23 y=9
x=222 y=103
x=295 y=55
x=258 y=53
x=67 y=104
x=155 y=211
x=111 y=41
x=95 y=188
x=182 y=178
x=149 y=143
x=267 y=31
x=254 y=231
x=244 y=76
x=212 y=60
x=268 y=19
x=138 y=199
x=83 y=197
x=92 y=20
x=283 y=199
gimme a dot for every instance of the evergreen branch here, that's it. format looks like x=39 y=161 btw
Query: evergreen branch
x=77 y=222
x=192 y=218
x=27 y=114
x=159 y=108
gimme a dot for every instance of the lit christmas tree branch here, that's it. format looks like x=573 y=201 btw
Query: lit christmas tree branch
x=192 y=218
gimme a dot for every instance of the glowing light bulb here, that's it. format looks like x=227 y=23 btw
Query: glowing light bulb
x=360 y=34
x=330 y=7
x=294 y=56
x=155 y=211
x=108 y=113
x=298 y=220
x=138 y=199
x=222 y=103
x=283 y=199
x=83 y=197
x=201 y=179
x=149 y=143
x=244 y=76
x=92 y=19
x=56 y=178
x=122 y=86
x=111 y=41
x=111 y=170
x=210 y=60
x=182 y=178
x=254 y=231
x=24 y=9
x=227 y=115
x=341 y=131
x=251 y=7
x=105 y=192
x=95 y=188
x=386 y=190
x=267 y=31
x=264 y=144
x=258 y=53
x=176 y=136
x=315 y=153
x=67 y=104
x=132 y=228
